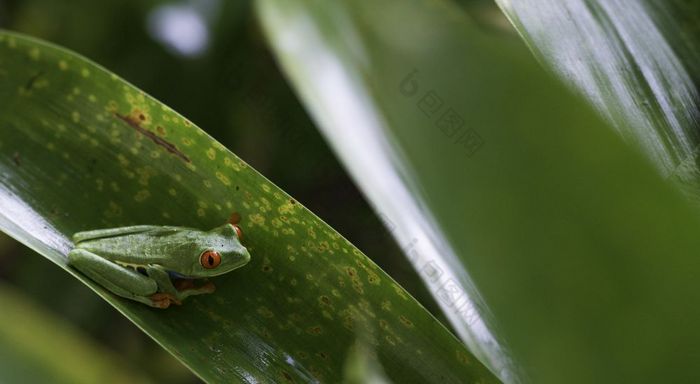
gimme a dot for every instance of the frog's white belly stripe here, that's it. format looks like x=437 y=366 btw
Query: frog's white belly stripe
x=131 y=265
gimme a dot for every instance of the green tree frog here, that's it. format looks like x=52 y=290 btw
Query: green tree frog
x=138 y=262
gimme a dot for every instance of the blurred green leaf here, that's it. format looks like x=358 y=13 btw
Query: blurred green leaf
x=498 y=178
x=636 y=61
x=82 y=149
x=37 y=347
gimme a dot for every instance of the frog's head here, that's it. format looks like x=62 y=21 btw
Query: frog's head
x=221 y=252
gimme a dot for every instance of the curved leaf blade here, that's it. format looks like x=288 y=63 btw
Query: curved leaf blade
x=82 y=149
x=635 y=61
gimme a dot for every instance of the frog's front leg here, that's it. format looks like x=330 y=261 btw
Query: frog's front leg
x=183 y=291
x=117 y=279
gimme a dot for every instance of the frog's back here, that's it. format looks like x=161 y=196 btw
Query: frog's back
x=150 y=245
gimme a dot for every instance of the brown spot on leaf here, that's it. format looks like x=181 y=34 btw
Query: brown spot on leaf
x=32 y=80
x=170 y=147
x=16 y=159
x=406 y=321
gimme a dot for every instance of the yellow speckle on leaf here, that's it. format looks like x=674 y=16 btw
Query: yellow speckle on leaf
x=111 y=106
x=285 y=208
x=85 y=72
x=211 y=153
x=123 y=161
x=92 y=98
x=114 y=210
x=34 y=53
x=145 y=175
x=373 y=278
x=408 y=323
x=63 y=65
x=399 y=291
x=386 y=305
x=257 y=218
x=265 y=312
x=75 y=116
x=223 y=178
x=463 y=357
x=142 y=195
x=172 y=192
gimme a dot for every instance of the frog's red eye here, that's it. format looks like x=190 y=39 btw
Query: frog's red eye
x=210 y=259
x=239 y=233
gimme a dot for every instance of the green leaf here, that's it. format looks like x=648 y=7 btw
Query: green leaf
x=636 y=62
x=584 y=259
x=82 y=149
x=37 y=347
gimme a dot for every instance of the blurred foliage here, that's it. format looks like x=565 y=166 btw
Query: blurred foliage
x=31 y=338
x=584 y=254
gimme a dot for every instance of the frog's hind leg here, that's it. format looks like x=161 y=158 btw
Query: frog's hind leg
x=117 y=279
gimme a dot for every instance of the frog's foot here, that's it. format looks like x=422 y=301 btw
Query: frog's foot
x=183 y=284
x=163 y=300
